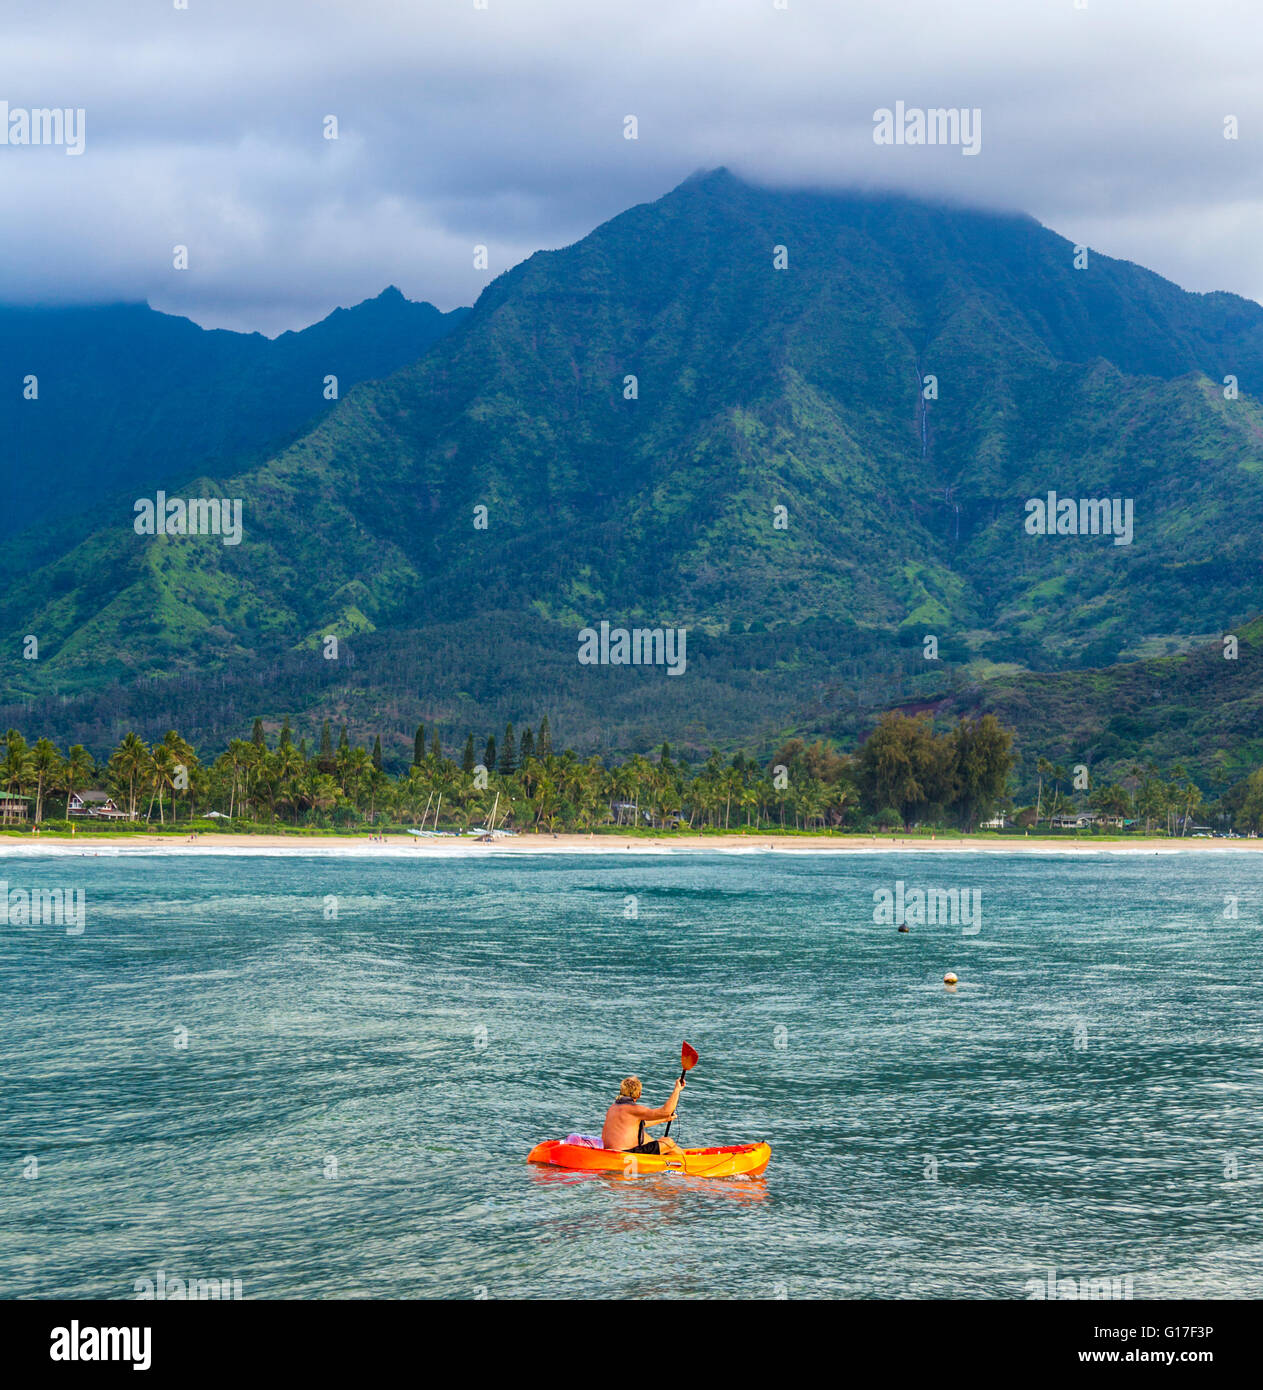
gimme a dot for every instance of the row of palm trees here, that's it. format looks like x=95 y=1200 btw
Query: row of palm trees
x=1144 y=795
x=251 y=781
x=800 y=788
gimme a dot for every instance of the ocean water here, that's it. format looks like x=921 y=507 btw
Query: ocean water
x=222 y=1079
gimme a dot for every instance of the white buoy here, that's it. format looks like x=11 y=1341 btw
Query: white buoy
x=949 y=978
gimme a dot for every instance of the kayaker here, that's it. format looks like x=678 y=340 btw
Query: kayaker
x=625 y=1121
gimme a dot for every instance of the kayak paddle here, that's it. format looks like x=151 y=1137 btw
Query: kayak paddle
x=688 y=1060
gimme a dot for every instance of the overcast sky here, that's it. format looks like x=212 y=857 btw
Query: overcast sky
x=504 y=126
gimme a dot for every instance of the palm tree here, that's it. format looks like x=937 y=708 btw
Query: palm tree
x=731 y=784
x=1054 y=805
x=1150 y=800
x=544 y=801
x=841 y=794
x=594 y=791
x=289 y=770
x=129 y=765
x=411 y=788
x=266 y=779
x=814 y=798
x=324 y=793
x=183 y=755
x=1112 y=802
x=665 y=801
x=705 y=797
x=237 y=761
x=475 y=804
x=378 y=785
x=1184 y=788
x=162 y=765
x=529 y=773
x=624 y=785
x=200 y=783
x=353 y=769
x=46 y=766
x=641 y=774
x=78 y=772
x=16 y=768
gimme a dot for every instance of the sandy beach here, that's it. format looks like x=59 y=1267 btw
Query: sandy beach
x=464 y=847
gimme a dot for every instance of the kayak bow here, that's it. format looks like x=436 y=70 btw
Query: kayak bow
x=730 y=1161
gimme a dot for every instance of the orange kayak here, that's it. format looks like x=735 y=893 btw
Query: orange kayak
x=733 y=1160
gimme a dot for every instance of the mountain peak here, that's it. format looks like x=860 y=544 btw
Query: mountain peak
x=721 y=174
x=634 y=410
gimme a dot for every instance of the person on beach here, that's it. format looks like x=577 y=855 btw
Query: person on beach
x=625 y=1121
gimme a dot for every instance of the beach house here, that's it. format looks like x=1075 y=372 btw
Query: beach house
x=98 y=804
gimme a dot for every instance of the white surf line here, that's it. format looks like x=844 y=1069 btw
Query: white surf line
x=415 y=850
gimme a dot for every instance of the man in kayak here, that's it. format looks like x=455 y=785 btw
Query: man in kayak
x=625 y=1121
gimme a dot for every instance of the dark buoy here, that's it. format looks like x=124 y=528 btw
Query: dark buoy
x=903 y=926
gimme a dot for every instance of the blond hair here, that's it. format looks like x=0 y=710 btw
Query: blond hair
x=630 y=1087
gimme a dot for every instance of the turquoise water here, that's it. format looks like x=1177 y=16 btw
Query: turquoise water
x=1087 y=1099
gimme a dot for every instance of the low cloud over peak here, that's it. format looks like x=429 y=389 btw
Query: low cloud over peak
x=507 y=128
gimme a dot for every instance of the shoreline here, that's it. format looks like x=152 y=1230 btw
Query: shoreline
x=407 y=846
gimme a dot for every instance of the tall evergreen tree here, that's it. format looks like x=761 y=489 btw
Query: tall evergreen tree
x=467 y=762
x=508 y=754
x=302 y=748
x=489 y=754
x=286 y=736
x=343 y=742
x=436 y=748
x=377 y=752
x=545 y=741
x=528 y=744
x=256 y=734
x=418 y=746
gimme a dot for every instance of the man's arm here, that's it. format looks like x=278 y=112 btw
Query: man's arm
x=667 y=1111
x=663 y=1112
x=646 y=1113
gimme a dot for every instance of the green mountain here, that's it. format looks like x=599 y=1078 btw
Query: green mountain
x=1202 y=709
x=756 y=388
x=126 y=398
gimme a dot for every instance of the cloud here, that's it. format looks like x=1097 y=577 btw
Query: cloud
x=504 y=126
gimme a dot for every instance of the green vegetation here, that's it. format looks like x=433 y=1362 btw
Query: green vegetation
x=756 y=389
x=132 y=399
x=938 y=779
x=907 y=776
x=1202 y=711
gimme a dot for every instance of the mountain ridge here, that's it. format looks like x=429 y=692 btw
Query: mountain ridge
x=129 y=396
x=756 y=388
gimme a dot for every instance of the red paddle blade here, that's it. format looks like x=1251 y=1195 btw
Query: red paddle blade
x=688 y=1057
